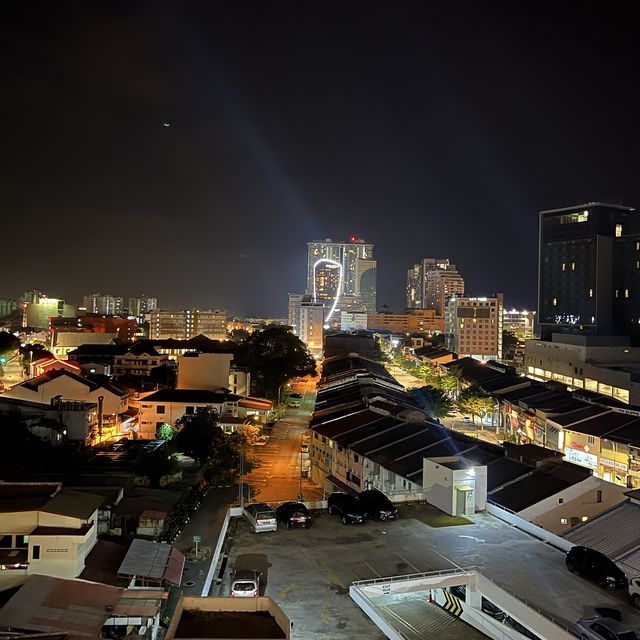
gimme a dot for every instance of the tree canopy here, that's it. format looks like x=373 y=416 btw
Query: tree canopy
x=198 y=434
x=475 y=401
x=435 y=402
x=273 y=356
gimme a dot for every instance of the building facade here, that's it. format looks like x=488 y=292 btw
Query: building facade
x=578 y=250
x=188 y=323
x=343 y=273
x=141 y=305
x=431 y=282
x=473 y=326
x=7 y=306
x=312 y=327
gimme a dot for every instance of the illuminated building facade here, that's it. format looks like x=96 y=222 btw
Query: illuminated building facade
x=103 y=304
x=431 y=282
x=588 y=258
x=188 y=323
x=311 y=332
x=7 y=306
x=473 y=326
x=353 y=264
x=139 y=306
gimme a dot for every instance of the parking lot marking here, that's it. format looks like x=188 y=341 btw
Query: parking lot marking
x=287 y=590
x=413 y=566
x=370 y=567
x=332 y=576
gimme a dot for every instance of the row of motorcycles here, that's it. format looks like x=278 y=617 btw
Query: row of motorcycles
x=181 y=514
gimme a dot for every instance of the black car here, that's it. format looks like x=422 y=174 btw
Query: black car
x=595 y=565
x=346 y=506
x=293 y=514
x=377 y=506
x=295 y=395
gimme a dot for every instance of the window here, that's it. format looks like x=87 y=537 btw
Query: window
x=618 y=230
x=36 y=552
x=22 y=542
x=563 y=521
x=599 y=495
x=560 y=500
x=160 y=409
x=356 y=458
x=591 y=439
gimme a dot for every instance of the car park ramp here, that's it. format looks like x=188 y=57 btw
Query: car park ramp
x=454 y=604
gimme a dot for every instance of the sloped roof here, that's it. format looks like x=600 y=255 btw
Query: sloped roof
x=49 y=604
x=192 y=395
x=75 y=504
x=155 y=561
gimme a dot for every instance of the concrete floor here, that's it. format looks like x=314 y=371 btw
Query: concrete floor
x=308 y=572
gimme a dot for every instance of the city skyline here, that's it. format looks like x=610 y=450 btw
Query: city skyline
x=427 y=130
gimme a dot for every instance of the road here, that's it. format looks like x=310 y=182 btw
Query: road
x=277 y=476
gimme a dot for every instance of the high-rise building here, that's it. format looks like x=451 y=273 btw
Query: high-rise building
x=587 y=257
x=188 y=323
x=431 y=282
x=141 y=305
x=473 y=326
x=342 y=275
x=103 y=304
x=311 y=330
x=7 y=306
x=293 y=317
x=36 y=315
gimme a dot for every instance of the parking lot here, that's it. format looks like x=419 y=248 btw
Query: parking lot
x=308 y=571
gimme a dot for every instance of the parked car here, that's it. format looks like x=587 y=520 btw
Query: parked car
x=634 y=591
x=295 y=395
x=377 y=506
x=596 y=566
x=466 y=419
x=304 y=447
x=260 y=517
x=294 y=404
x=348 y=507
x=245 y=584
x=601 y=628
x=293 y=514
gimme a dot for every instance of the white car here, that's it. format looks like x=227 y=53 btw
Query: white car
x=245 y=584
x=601 y=628
x=634 y=591
x=261 y=517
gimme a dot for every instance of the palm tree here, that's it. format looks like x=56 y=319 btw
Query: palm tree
x=434 y=402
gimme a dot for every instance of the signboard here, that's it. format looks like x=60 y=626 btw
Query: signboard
x=197 y=539
x=605 y=462
x=386 y=588
x=581 y=457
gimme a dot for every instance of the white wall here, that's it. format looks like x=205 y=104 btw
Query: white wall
x=205 y=371
x=577 y=500
x=437 y=485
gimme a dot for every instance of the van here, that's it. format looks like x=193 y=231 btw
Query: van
x=261 y=517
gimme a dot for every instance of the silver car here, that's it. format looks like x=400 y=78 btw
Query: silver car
x=600 y=628
x=261 y=517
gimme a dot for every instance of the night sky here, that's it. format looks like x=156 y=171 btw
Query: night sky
x=430 y=129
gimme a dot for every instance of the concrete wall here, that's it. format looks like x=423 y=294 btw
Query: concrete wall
x=205 y=371
x=249 y=605
x=440 y=485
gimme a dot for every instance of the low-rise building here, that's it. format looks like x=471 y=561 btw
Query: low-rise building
x=602 y=364
x=45 y=530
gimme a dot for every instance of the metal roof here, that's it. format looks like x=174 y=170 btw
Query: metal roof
x=153 y=561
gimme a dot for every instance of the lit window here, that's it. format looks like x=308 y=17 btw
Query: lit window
x=563 y=521
x=618 y=230
x=591 y=293
x=573 y=266
x=626 y=293
x=563 y=266
x=555 y=302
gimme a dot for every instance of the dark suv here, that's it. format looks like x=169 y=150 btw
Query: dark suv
x=377 y=506
x=595 y=565
x=346 y=506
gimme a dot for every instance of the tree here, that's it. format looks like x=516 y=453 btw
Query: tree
x=198 y=434
x=434 y=402
x=165 y=432
x=8 y=344
x=437 y=340
x=155 y=464
x=475 y=401
x=273 y=356
x=239 y=335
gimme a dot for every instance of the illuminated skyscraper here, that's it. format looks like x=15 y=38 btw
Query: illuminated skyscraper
x=431 y=282
x=342 y=274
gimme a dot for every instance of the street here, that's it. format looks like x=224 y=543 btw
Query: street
x=277 y=476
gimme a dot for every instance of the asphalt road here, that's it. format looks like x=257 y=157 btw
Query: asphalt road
x=277 y=474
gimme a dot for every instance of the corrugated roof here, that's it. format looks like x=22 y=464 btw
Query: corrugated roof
x=614 y=532
x=53 y=604
x=602 y=424
x=154 y=561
